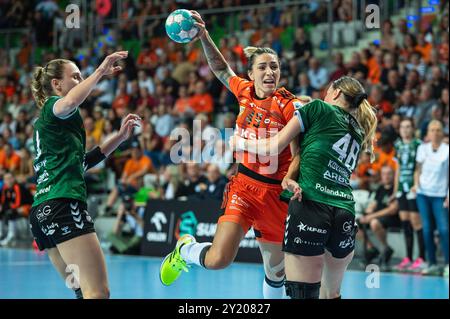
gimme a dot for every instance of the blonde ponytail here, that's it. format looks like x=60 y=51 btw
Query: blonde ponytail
x=41 y=86
x=36 y=87
x=366 y=117
x=356 y=99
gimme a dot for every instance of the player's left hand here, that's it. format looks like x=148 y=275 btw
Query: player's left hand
x=128 y=124
x=293 y=187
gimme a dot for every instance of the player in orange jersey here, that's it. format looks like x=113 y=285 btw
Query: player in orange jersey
x=251 y=198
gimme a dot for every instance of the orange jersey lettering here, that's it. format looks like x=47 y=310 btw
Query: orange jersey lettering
x=261 y=119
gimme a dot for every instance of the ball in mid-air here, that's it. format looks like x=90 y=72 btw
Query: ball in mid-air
x=180 y=26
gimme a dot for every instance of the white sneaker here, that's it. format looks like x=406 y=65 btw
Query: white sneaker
x=5 y=242
x=432 y=270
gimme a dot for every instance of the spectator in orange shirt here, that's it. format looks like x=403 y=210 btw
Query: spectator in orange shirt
x=384 y=153
x=374 y=64
x=9 y=160
x=202 y=101
x=132 y=176
x=234 y=45
x=193 y=53
x=362 y=176
x=15 y=201
x=376 y=98
x=146 y=59
x=183 y=103
x=120 y=102
x=424 y=48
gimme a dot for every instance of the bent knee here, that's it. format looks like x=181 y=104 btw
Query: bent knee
x=274 y=273
x=375 y=224
x=217 y=261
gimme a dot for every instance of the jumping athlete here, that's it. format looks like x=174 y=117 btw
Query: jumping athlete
x=251 y=198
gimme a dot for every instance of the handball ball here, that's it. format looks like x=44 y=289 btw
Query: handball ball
x=180 y=26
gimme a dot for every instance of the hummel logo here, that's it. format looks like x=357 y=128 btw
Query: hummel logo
x=75 y=213
x=80 y=226
x=73 y=205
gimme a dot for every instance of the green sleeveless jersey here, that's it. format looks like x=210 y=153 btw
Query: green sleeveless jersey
x=60 y=150
x=405 y=153
x=330 y=144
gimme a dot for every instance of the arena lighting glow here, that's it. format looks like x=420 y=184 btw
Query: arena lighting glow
x=376 y=42
x=80 y=57
x=409 y=25
x=100 y=44
x=434 y=2
x=411 y=18
x=427 y=9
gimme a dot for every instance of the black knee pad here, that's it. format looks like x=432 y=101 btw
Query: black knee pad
x=302 y=290
x=274 y=284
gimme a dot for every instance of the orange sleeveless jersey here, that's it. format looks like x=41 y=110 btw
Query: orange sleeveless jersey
x=261 y=119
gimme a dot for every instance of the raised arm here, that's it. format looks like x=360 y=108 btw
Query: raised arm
x=216 y=61
x=99 y=153
x=67 y=104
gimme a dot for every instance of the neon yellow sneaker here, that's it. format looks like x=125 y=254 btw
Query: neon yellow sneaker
x=173 y=264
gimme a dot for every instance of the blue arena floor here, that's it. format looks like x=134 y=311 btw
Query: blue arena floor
x=25 y=274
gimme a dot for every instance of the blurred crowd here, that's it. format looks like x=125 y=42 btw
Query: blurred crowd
x=169 y=85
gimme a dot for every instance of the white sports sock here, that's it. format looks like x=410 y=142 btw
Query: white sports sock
x=271 y=292
x=191 y=252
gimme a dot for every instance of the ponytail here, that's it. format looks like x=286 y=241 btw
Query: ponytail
x=356 y=98
x=41 y=86
x=36 y=87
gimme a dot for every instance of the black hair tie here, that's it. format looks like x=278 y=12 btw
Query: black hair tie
x=358 y=99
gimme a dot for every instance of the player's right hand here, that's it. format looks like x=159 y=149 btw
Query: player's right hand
x=200 y=24
x=293 y=187
x=107 y=67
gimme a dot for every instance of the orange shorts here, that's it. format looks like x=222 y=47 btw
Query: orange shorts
x=249 y=202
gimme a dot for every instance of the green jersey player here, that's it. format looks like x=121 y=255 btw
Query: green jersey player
x=320 y=228
x=59 y=218
x=405 y=152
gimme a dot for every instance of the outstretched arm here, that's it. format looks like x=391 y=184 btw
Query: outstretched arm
x=67 y=104
x=268 y=146
x=216 y=61
x=99 y=153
